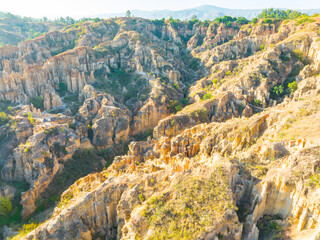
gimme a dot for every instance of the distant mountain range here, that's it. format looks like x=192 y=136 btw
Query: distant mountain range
x=203 y=13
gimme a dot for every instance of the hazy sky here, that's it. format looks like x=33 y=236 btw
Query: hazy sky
x=80 y=8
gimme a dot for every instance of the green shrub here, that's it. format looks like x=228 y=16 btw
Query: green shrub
x=215 y=81
x=83 y=162
x=65 y=200
x=315 y=178
x=159 y=22
x=242 y=20
x=278 y=90
x=254 y=20
x=279 y=14
x=72 y=126
x=174 y=22
x=270 y=229
x=185 y=101
x=241 y=106
x=206 y=96
x=51 y=132
x=4 y=118
x=228 y=20
x=71 y=98
x=178 y=108
x=197 y=203
x=303 y=20
x=268 y=21
x=25 y=229
x=176 y=86
x=43 y=204
x=285 y=58
x=172 y=106
x=5 y=206
x=30 y=118
x=57 y=148
x=37 y=102
x=300 y=56
x=63 y=87
x=262 y=47
x=143 y=136
x=293 y=86
x=99 y=74
x=141 y=198
x=257 y=103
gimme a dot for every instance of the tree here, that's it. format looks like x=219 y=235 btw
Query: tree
x=242 y=20
x=62 y=20
x=279 y=14
x=10 y=16
x=194 y=18
x=254 y=20
x=225 y=19
x=5 y=206
x=128 y=14
x=63 y=87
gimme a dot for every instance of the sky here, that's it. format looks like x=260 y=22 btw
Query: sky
x=85 y=8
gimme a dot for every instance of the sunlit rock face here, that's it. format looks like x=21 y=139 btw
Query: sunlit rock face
x=164 y=130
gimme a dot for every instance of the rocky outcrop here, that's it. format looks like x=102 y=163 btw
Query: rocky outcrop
x=98 y=216
x=174 y=125
x=307 y=87
x=122 y=195
x=51 y=100
x=112 y=127
x=268 y=54
x=216 y=110
x=110 y=123
x=7 y=191
x=148 y=117
x=39 y=159
x=229 y=147
x=169 y=160
x=283 y=193
x=74 y=59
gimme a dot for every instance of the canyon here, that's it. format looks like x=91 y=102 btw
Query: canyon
x=128 y=128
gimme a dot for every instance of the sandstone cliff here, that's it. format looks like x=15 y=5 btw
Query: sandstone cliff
x=218 y=124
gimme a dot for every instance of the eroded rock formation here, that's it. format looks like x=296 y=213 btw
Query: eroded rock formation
x=233 y=111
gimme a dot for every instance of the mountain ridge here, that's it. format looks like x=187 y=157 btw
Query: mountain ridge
x=204 y=12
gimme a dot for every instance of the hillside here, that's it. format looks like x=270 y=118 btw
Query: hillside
x=129 y=128
x=15 y=29
x=205 y=12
